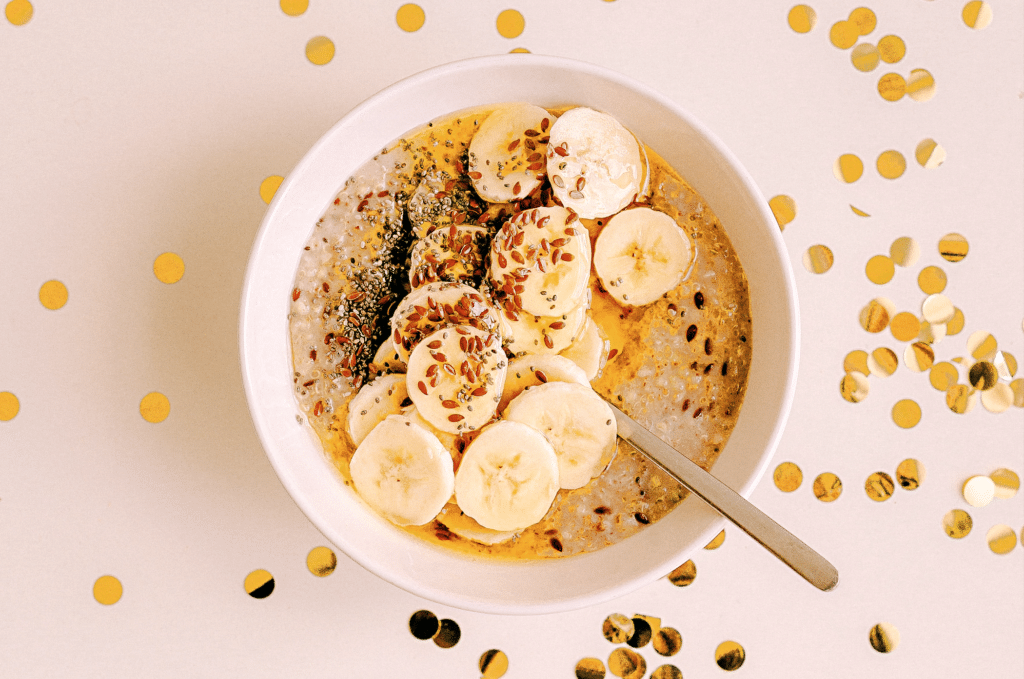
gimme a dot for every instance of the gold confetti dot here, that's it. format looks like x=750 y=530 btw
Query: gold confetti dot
x=910 y=474
x=883 y=362
x=982 y=376
x=667 y=672
x=321 y=561
x=642 y=631
x=977 y=14
x=510 y=23
x=904 y=251
x=269 y=186
x=937 y=309
x=617 y=628
x=1006 y=365
x=259 y=584
x=18 y=12
x=998 y=398
x=627 y=663
x=784 y=209
x=931 y=333
x=865 y=57
x=879 y=486
x=864 y=19
x=957 y=523
x=892 y=48
x=410 y=17
x=730 y=655
x=168 y=268
x=979 y=491
x=953 y=247
x=9 y=406
x=880 y=269
x=943 y=376
x=519 y=50
x=892 y=86
x=590 y=668
x=854 y=387
x=493 y=664
x=931 y=280
x=961 y=398
x=857 y=211
x=154 y=407
x=906 y=413
x=874 y=317
x=848 y=168
x=423 y=625
x=1001 y=539
x=788 y=477
x=1007 y=483
x=107 y=590
x=918 y=357
x=827 y=487
x=667 y=641
x=1017 y=387
x=802 y=18
x=891 y=164
x=856 y=361
x=920 y=85
x=716 y=542
x=448 y=633
x=818 y=259
x=320 y=50
x=929 y=154
x=684 y=575
x=294 y=8
x=955 y=324
x=844 y=34
x=884 y=637
x=53 y=295
x=982 y=345
x=904 y=326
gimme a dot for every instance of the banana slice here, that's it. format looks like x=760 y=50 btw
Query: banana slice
x=590 y=350
x=438 y=305
x=463 y=525
x=506 y=155
x=594 y=163
x=540 y=262
x=449 y=441
x=442 y=198
x=640 y=255
x=530 y=334
x=455 y=378
x=576 y=421
x=387 y=359
x=373 y=403
x=402 y=471
x=528 y=371
x=508 y=477
x=454 y=254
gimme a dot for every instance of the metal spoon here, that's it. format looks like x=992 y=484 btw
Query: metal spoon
x=787 y=547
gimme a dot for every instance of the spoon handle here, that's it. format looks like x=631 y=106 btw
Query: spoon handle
x=787 y=547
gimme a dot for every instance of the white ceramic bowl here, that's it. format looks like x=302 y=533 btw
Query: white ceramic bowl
x=535 y=586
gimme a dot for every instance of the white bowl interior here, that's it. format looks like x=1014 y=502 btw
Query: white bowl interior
x=488 y=585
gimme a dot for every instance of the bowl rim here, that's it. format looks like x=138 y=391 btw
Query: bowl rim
x=248 y=330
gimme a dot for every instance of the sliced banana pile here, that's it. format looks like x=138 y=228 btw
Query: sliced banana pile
x=486 y=410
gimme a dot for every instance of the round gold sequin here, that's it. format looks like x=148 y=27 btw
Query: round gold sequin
x=818 y=259
x=875 y=316
x=788 y=476
x=943 y=376
x=294 y=8
x=910 y=474
x=931 y=280
x=864 y=19
x=931 y=333
x=642 y=633
x=904 y=251
x=880 y=269
x=321 y=561
x=9 y=406
x=856 y=361
x=957 y=523
x=982 y=345
x=1017 y=387
x=168 y=268
x=667 y=672
x=979 y=491
x=953 y=247
x=18 y=12
x=269 y=186
x=827 y=487
x=891 y=164
x=617 y=628
x=590 y=668
x=1006 y=365
x=684 y=575
x=883 y=362
x=955 y=324
x=493 y=664
x=937 y=309
x=802 y=18
x=510 y=23
x=920 y=85
x=884 y=637
x=998 y=398
x=784 y=209
x=320 y=50
x=410 y=17
x=259 y=584
x=977 y=14
x=1007 y=483
x=1001 y=539
x=960 y=398
x=53 y=295
x=667 y=641
x=892 y=86
x=865 y=57
x=929 y=154
x=854 y=388
x=107 y=590
x=423 y=624
x=857 y=211
x=448 y=633
x=843 y=34
x=879 y=486
x=627 y=663
x=918 y=357
x=521 y=50
x=848 y=168
x=905 y=326
x=730 y=655
x=891 y=48
x=154 y=407
x=982 y=376
x=906 y=413
x=716 y=542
